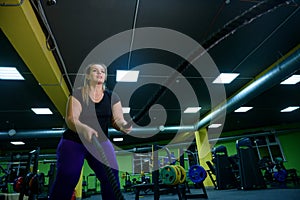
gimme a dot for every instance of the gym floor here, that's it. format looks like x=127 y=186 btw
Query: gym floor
x=289 y=193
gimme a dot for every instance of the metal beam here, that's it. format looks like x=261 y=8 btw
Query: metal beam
x=21 y=27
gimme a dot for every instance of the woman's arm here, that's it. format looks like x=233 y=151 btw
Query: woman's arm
x=72 y=119
x=119 y=122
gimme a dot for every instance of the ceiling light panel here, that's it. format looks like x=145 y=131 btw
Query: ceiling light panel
x=126 y=110
x=10 y=73
x=191 y=109
x=291 y=80
x=118 y=139
x=127 y=75
x=243 y=109
x=214 y=125
x=17 y=143
x=225 y=78
x=42 y=111
x=290 y=109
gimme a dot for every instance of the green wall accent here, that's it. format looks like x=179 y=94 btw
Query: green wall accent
x=290 y=145
x=230 y=146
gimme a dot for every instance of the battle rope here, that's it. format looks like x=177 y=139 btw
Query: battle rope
x=245 y=18
x=111 y=178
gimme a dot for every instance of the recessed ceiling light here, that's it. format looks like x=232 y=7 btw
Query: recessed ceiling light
x=10 y=73
x=214 y=125
x=291 y=80
x=191 y=109
x=225 y=78
x=118 y=139
x=42 y=111
x=17 y=143
x=127 y=75
x=243 y=109
x=126 y=109
x=290 y=109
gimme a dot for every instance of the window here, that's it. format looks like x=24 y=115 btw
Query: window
x=141 y=163
x=268 y=147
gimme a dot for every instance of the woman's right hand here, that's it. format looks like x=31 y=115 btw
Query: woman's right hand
x=88 y=132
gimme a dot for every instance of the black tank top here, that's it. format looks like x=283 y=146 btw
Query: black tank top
x=96 y=115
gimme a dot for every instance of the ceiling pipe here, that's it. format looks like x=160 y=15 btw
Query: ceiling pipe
x=21 y=134
x=257 y=134
x=273 y=75
x=43 y=158
x=284 y=67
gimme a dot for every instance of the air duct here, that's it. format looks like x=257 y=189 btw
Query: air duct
x=21 y=134
x=273 y=75
x=281 y=69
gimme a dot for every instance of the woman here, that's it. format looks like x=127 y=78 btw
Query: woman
x=87 y=104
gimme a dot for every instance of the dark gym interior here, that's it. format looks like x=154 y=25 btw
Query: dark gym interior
x=179 y=48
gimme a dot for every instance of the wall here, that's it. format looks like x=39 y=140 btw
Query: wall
x=230 y=145
x=290 y=145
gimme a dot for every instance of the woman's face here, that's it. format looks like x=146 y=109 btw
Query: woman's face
x=97 y=74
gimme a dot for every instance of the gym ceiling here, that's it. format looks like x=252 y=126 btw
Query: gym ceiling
x=48 y=44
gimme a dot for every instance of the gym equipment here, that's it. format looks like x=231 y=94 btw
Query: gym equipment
x=156 y=186
x=26 y=186
x=169 y=175
x=128 y=184
x=250 y=175
x=182 y=177
x=197 y=174
x=18 y=183
x=172 y=175
x=51 y=176
x=225 y=178
x=36 y=183
x=280 y=175
x=113 y=182
x=266 y=165
x=32 y=183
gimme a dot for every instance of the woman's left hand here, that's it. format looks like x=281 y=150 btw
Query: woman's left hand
x=125 y=128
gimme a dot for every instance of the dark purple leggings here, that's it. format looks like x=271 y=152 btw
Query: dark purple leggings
x=70 y=159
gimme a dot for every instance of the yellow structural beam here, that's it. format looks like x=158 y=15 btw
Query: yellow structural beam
x=204 y=152
x=21 y=27
x=78 y=188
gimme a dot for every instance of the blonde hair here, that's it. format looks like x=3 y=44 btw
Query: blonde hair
x=86 y=83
